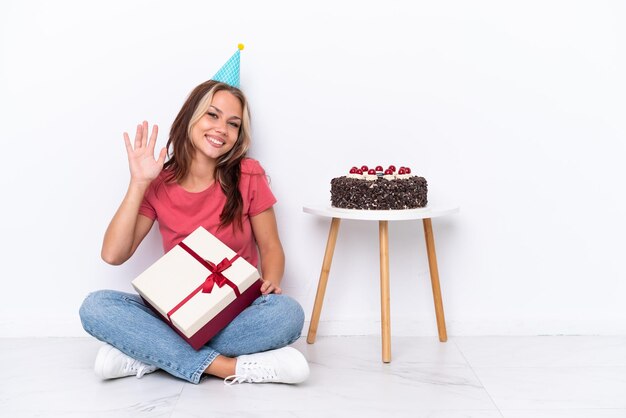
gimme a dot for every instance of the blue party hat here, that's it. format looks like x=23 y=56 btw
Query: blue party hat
x=229 y=73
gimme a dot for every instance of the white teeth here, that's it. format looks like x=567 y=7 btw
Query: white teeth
x=215 y=141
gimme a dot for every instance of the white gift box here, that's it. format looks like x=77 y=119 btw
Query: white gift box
x=186 y=288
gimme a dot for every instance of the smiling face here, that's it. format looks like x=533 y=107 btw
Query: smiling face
x=216 y=132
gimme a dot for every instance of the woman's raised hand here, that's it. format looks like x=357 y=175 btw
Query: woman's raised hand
x=143 y=167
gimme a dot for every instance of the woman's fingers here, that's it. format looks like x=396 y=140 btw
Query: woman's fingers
x=129 y=148
x=143 y=165
x=265 y=287
x=138 y=136
x=269 y=287
x=141 y=137
x=153 y=138
x=144 y=133
x=162 y=155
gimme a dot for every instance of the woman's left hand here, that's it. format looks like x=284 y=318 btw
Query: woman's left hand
x=268 y=287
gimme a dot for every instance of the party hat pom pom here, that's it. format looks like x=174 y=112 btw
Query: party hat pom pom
x=240 y=46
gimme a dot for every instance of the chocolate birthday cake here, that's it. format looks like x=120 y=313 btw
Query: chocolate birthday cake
x=375 y=189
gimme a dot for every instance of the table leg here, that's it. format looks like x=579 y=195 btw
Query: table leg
x=321 y=286
x=384 y=290
x=434 y=278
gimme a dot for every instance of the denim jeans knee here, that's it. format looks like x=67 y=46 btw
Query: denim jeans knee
x=91 y=308
x=292 y=317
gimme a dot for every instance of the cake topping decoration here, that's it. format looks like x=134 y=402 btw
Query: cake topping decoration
x=355 y=173
x=404 y=173
x=391 y=173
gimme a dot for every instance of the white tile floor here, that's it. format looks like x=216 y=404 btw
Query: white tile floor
x=487 y=377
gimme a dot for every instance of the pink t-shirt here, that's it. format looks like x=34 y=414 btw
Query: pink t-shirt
x=180 y=212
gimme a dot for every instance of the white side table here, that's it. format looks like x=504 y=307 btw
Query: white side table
x=382 y=216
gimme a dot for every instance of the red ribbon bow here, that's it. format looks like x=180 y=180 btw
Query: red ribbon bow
x=216 y=277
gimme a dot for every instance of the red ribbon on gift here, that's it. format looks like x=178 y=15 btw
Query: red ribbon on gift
x=215 y=278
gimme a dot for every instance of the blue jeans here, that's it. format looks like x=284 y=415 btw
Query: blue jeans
x=125 y=322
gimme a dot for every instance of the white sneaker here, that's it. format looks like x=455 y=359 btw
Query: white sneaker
x=285 y=365
x=111 y=363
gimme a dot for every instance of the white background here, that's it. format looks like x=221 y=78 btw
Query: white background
x=514 y=110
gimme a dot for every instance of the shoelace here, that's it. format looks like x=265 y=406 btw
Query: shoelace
x=253 y=373
x=235 y=379
x=137 y=367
